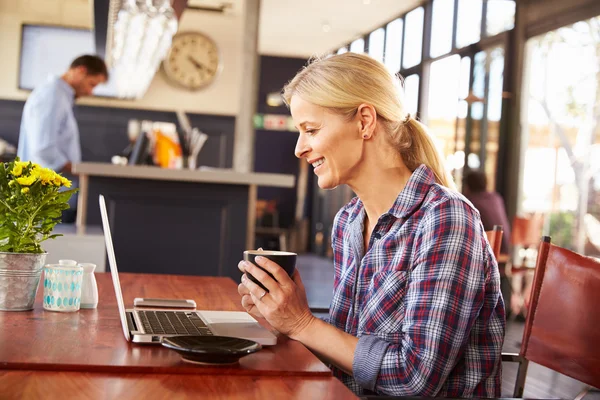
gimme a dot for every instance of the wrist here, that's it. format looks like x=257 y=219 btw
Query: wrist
x=306 y=326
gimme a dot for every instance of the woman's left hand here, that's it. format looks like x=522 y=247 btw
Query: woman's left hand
x=285 y=306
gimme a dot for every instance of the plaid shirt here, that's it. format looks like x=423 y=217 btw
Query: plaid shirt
x=424 y=300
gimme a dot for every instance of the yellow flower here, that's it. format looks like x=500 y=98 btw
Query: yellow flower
x=26 y=180
x=25 y=190
x=47 y=176
x=11 y=183
x=65 y=182
x=36 y=170
x=17 y=169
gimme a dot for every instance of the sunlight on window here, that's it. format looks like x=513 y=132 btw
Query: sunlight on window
x=393 y=45
x=463 y=86
x=465 y=72
x=500 y=16
x=468 y=29
x=561 y=171
x=478 y=85
x=342 y=50
x=376 y=39
x=358 y=46
x=443 y=104
x=413 y=41
x=496 y=79
x=411 y=94
x=441 y=27
x=443 y=89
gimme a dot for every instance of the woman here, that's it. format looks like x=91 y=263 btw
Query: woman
x=416 y=306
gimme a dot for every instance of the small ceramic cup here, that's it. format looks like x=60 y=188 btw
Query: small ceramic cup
x=62 y=287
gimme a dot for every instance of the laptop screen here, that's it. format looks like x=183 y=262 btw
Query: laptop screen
x=113 y=266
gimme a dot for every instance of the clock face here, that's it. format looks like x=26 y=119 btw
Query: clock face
x=192 y=61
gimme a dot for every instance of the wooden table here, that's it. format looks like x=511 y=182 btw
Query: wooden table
x=93 y=340
x=81 y=385
x=45 y=354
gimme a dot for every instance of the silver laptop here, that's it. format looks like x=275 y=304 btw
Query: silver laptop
x=151 y=325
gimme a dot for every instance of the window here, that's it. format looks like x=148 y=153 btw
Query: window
x=500 y=16
x=441 y=27
x=561 y=171
x=456 y=162
x=342 y=50
x=443 y=98
x=468 y=27
x=376 y=39
x=393 y=45
x=49 y=50
x=494 y=112
x=358 y=46
x=465 y=72
x=413 y=40
x=496 y=80
x=478 y=86
x=411 y=94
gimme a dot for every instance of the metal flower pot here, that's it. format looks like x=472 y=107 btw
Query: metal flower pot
x=19 y=280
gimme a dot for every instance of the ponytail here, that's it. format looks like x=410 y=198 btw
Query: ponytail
x=416 y=147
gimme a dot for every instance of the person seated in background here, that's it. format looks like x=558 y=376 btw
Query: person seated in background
x=492 y=212
x=489 y=204
x=416 y=307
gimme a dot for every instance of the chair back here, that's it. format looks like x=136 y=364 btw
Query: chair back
x=494 y=237
x=562 y=330
x=526 y=231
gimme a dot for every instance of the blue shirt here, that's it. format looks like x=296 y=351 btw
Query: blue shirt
x=49 y=134
x=423 y=298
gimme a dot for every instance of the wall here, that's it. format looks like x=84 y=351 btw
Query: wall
x=220 y=98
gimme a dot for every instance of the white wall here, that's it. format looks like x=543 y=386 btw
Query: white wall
x=222 y=97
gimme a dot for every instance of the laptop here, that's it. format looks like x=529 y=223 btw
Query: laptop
x=151 y=325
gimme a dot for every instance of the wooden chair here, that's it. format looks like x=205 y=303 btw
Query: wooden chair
x=526 y=233
x=267 y=223
x=562 y=329
x=525 y=236
x=494 y=237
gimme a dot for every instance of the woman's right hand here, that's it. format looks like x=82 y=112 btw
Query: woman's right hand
x=247 y=301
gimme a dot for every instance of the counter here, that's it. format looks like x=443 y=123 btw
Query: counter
x=174 y=221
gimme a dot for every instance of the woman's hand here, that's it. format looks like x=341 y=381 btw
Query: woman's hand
x=285 y=306
x=247 y=301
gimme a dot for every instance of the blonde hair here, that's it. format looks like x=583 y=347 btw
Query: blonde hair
x=343 y=82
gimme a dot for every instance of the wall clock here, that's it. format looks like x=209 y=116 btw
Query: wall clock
x=193 y=60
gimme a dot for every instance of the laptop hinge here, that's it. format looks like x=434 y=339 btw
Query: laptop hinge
x=131 y=322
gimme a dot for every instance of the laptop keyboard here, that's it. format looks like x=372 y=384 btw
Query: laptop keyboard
x=173 y=323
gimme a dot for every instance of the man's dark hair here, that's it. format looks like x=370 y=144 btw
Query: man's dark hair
x=476 y=181
x=94 y=65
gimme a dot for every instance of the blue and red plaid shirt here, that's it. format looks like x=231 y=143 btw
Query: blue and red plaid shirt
x=424 y=300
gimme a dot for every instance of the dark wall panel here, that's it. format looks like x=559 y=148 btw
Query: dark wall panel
x=274 y=150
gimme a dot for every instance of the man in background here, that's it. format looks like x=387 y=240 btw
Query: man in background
x=492 y=211
x=49 y=133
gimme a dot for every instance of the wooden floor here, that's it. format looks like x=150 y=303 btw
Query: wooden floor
x=317 y=275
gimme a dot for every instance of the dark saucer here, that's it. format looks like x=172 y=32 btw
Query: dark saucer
x=220 y=350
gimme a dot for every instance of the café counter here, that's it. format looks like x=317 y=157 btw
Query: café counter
x=183 y=222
